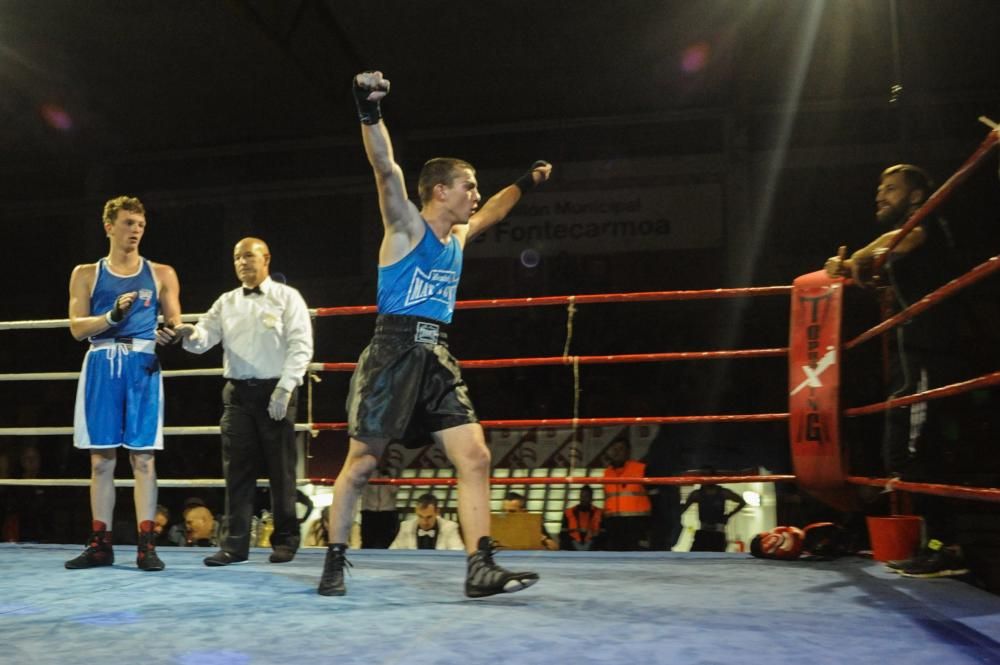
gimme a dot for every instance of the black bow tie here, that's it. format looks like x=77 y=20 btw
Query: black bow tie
x=430 y=534
x=255 y=289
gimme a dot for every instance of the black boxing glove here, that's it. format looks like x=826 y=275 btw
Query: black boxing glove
x=369 y=112
x=527 y=182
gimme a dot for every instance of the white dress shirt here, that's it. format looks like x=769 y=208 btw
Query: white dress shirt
x=448 y=537
x=265 y=336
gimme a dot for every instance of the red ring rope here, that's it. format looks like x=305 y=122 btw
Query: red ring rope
x=604 y=422
x=593 y=298
x=578 y=480
x=596 y=360
x=991 y=494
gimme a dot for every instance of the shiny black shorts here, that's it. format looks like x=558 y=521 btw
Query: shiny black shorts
x=407 y=384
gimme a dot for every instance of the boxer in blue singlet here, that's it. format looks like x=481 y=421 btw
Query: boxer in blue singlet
x=114 y=304
x=407 y=386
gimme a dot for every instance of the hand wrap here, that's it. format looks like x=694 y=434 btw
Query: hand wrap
x=117 y=313
x=527 y=181
x=369 y=112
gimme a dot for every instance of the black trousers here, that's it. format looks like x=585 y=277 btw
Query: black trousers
x=252 y=441
x=624 y=534
x=665 y=519
x=707 y=540
x=378 y=528
x=918 y=446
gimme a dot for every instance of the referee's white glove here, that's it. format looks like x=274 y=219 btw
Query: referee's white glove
x=278 y=406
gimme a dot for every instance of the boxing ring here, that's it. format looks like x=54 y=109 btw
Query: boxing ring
x=590 y=607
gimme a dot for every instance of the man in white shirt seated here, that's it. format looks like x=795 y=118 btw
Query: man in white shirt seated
x=427 y=530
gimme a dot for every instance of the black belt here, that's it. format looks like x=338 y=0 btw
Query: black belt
x=418 y=328
x=253 y=382
x=127 y=341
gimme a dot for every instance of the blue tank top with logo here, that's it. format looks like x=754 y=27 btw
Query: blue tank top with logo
x=140 y=320
x=424 y=282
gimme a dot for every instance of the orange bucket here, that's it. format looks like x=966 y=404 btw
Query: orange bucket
x=894 y=537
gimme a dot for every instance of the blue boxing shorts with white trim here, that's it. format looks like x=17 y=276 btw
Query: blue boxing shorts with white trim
x=119 y=399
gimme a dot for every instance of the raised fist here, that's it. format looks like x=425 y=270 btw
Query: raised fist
x=374 y=83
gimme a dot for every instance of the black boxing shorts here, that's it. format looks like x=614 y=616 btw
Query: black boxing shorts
x=407 y=384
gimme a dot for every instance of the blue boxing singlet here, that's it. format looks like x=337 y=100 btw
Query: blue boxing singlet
x=423 y=283
x=119 y=398
x=140 y=320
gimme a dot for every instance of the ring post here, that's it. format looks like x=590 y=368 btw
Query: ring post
x=819 y=460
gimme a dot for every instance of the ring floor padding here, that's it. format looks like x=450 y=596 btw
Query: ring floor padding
x=407 y=608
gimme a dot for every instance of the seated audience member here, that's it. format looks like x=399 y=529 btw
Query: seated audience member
x=318 y=533
x=161 y=525
x=427 y=530
x=198 y=527
x=581 y=526
x=514 y=502
x=29 y=507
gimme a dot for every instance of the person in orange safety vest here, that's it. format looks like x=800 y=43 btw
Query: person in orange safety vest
x=626 y=505
x=581 y=525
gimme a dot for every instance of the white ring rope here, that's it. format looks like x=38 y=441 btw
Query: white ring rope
x=39 y=376
x=173 y=431
x=167 y=373
x=130 y=482
x=53 y=376
x=64 y=323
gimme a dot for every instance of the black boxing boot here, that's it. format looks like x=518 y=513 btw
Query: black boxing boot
x=146 y=558
x=485 y=578
x=98 y=552
x=331 y=583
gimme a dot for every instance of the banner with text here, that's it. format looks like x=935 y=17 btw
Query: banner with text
x=618 y=220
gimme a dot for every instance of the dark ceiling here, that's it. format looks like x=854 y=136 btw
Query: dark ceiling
x=232 y=117
x=115 y=77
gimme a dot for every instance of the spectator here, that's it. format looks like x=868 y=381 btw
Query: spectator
x=626 y=505
x=711 y=500
x=318 y=535
x=919 y=441
x=161 y=525
x=581 y=526
x=514 y=502
x=200 y=527
x=29 y=507
x=664 y=459
x=177 y=534
x=427 y=530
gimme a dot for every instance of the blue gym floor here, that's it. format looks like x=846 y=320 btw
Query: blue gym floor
x=407 y=607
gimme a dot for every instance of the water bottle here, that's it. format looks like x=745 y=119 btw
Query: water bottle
x=266 y=529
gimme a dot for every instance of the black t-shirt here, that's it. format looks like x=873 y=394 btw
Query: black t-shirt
x=919 y=272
